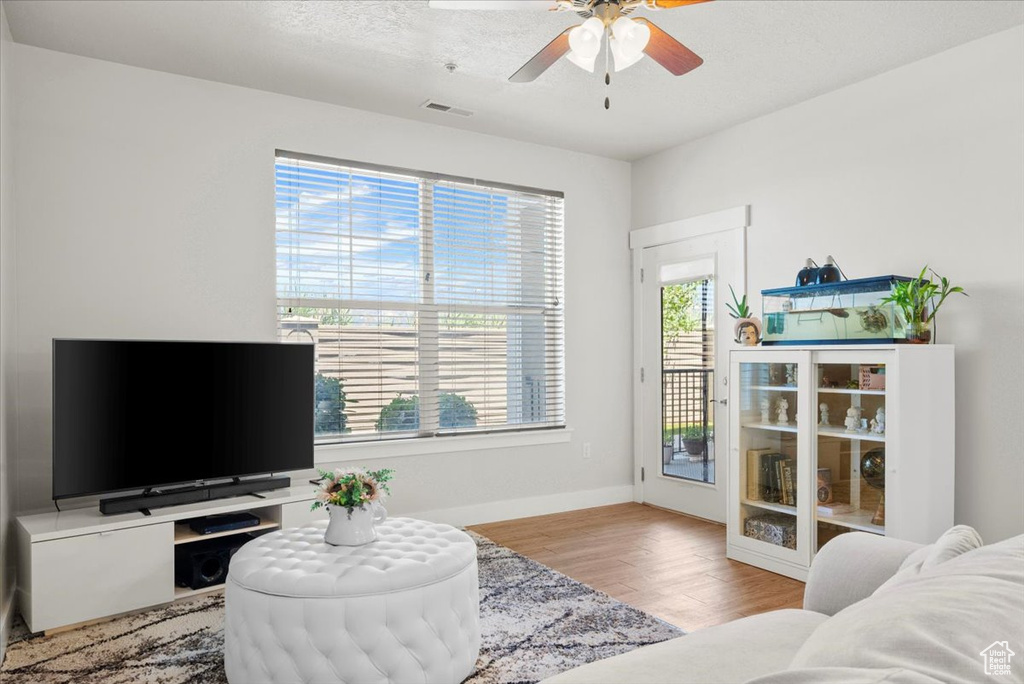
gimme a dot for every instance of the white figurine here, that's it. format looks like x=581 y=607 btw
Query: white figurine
x=878 y=422
x=765 y=408
x=852 y=419
x=824 y=414
x=783 y=411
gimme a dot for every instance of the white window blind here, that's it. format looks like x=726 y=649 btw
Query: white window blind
x=435 y=303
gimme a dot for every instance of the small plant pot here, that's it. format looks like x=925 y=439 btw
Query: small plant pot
x=694 y=447
x=666 y=453
x=355 y=526
x=919 y=333
x=748 y=331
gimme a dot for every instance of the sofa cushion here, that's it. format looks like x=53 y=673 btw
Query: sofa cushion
x=733 y=652
x=936 y=623
x=954 y=542
x=845 y=675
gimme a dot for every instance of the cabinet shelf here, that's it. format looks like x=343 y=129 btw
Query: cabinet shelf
x=776 y=388
x=769 y=506
x=183 y=534
x=839 y=432
x=859 y=520
x=772 y=426
x=841 y=390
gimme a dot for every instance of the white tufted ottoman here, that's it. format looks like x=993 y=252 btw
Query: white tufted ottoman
x=404 y=608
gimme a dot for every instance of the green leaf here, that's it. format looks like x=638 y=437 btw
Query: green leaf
x=740 y=310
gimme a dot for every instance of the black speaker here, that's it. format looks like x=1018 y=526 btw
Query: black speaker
x=205 y=563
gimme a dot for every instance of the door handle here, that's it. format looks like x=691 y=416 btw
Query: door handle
x=723 y=402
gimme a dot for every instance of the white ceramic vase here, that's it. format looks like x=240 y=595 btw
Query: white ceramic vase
x=355 y=528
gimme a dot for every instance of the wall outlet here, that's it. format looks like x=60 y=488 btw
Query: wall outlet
x=586 y=450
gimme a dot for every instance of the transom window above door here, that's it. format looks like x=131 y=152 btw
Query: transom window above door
x=435 y=303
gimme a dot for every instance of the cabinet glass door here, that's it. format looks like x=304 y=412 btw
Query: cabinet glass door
x=850 y=429
x=772 y=459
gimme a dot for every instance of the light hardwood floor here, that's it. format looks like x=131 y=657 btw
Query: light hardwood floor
x=666 y=564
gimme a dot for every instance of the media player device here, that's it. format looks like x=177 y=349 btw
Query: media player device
x=223 y=522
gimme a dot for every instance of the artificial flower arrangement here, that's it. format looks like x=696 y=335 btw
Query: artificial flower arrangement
x=352 y=488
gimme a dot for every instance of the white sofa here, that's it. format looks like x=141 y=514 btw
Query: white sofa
x=875 y=610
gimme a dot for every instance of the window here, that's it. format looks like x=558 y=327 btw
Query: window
x=435 y=303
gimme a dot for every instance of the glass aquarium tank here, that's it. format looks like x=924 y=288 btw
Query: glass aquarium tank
x=847 y=312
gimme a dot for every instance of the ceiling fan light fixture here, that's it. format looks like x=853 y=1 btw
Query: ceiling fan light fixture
x=633 y=34
x=629 y=38
x=585 y=43
x=623 y=59
x=585 y=63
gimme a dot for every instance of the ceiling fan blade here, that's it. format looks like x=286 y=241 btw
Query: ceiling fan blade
x=551 y=53
x=493 y=4
x=669 y=52
x=669 y=4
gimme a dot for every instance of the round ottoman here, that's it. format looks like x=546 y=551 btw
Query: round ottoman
x=404 y=608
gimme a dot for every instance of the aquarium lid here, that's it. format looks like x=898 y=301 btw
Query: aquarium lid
x=873 y=284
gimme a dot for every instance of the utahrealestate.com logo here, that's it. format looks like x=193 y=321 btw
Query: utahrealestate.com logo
x=997 y=658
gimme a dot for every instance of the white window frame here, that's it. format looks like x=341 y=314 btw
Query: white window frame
x=427 y=440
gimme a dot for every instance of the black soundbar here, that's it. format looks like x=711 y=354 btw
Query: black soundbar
x=192 y=494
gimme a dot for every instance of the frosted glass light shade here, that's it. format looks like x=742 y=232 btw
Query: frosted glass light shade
x=585 y=43
x=582 y=62
x=623 y=60
x=629 y=38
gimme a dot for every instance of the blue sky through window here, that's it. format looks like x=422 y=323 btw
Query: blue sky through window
x=343 y=235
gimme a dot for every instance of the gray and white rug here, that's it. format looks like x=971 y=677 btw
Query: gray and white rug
x=535 y=622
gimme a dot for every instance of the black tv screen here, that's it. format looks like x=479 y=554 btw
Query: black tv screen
x=138 y=414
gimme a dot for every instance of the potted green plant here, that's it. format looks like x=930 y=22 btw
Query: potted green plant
x=667 y=452
x=747 y=328
x=693 y=438
x=919 y=300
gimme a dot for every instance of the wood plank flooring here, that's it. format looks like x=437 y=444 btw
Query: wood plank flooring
x=666 y=564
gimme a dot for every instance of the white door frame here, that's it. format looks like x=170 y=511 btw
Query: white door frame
x=653 y=236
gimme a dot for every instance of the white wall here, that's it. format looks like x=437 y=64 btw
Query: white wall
x=145 y=209
x=923 y=164
x=7 y=404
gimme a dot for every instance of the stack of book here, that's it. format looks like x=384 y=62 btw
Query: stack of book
x=771 y=477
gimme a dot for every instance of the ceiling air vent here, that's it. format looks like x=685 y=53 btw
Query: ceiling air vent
x=447 y=109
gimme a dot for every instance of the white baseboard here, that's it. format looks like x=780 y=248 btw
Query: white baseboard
x=6 y=616
x=510 y=509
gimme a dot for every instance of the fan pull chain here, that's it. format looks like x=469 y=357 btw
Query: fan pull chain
x=607 y=71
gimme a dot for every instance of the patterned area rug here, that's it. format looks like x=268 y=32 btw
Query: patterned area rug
x=535 y=623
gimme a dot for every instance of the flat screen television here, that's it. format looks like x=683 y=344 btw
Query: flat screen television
x=131 y=415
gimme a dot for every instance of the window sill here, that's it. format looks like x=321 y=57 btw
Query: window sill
x=361 y=451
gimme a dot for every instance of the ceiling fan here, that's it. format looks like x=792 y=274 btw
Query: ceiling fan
x=628 y=39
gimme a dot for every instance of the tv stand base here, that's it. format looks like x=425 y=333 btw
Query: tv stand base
x=185 y=495
x=79 y=566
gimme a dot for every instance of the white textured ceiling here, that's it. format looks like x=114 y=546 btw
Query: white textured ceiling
x=389 y=57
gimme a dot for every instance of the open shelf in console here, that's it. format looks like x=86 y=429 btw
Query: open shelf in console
x=270 y=519
x=183 y=534
x=197 y=554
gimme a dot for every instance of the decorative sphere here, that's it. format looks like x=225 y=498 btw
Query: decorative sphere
x=872 y=468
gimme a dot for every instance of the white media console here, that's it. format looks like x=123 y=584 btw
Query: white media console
x=79 y=565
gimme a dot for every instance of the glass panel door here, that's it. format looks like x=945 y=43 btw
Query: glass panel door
x=850 y=448
x=687 y=380
x=771 y=457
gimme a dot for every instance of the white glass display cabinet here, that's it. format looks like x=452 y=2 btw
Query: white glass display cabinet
x=830 y=439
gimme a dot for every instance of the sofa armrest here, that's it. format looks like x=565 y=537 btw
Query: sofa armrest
x=850 y=567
